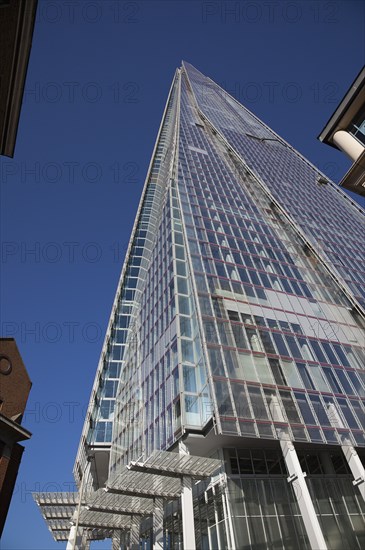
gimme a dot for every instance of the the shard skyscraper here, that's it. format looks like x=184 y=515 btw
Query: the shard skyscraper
x=237 y=333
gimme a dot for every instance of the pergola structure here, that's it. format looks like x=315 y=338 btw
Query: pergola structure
x=137 y=492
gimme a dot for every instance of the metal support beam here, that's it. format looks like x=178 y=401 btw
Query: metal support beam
x=158 y=524
x=356 y=467
x=297 y=477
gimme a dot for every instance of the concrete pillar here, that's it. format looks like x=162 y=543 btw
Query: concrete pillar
x=348 y=144
x=356 y=467
x=297 y=476
x=158 y=524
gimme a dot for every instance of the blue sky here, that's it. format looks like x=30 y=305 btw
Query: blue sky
x=98 y=79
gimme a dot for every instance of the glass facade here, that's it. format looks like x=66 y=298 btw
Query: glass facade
x=239 y=313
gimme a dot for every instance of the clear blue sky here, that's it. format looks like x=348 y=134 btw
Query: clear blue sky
x=98 y=79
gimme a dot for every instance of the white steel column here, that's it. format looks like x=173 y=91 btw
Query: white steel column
x=134 y=533
x=228 y=512
x=348 y=144
x=297 y=476
x=187 y=506
x=74 y=540
x=187 y=510
x=158 y=524
x=75 y=536
x=116 y=540
x=85 y=542
x=356 y=467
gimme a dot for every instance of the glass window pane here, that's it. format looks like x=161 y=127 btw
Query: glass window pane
x=282 y=349
x=189 y=378
x=257 y=402
x=303 y=371
x=346 y=411
x=319 y=411
x=293 y=346
x=241 y=401
x=263 y=370
x=340 y=353
x=317 y=377
x=317 y=351
x=249 y=372
x=223 y=398
x=267 y=342
x=291 y=374
x=289 y=407
x=305 y=408
x=341 y=375
x=277 y=372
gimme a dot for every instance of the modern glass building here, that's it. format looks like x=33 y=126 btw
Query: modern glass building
x=237 y=333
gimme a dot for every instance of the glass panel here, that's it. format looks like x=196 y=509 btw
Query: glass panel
x=223 y=398
x=289 y=407
x=346 y=411
x=318 y=351
x=253 y=339
x=291 y=374
x=317 y=377
x=274 y=407
x=303 y=371
x=293 y=346
x=257 y=402
x=262 y=369
x=189 y=379
x=341 y=375
x=241 y=401
x=277 y=372
x=359 y=411
x=239 y=337
x=319 y=410
x=247 y=364
x=279 y=341
x=329 y=374
x=329 y=352
x=267 y=342
x=356 y=382
x=305 y=408
x=216 y=362
x=340 y=353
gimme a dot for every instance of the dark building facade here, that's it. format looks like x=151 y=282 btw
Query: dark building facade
x=16 y=30
x=14 y=390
